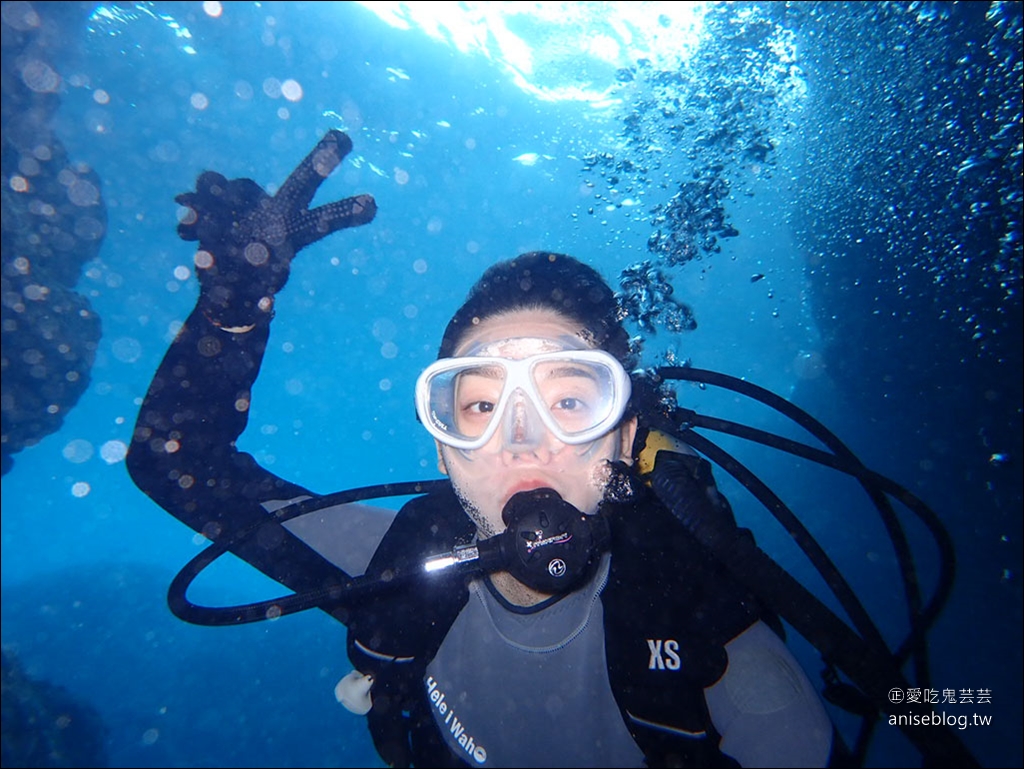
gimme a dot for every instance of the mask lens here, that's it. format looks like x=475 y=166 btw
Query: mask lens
x=463 y=401
x=579 y=395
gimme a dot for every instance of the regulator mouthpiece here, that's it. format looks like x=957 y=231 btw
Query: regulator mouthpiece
x=548 y=544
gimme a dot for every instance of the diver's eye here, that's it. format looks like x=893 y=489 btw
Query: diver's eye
x=480 y=407
x=568 y=404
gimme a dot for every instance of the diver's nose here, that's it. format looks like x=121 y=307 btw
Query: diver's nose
x=519 y=426
x=523 y=431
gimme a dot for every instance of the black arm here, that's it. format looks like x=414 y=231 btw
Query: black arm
x=183 y=453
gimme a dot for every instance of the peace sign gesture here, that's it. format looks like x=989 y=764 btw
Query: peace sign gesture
x=248 y=238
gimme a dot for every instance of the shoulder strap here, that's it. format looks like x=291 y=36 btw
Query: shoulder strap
x=669 y=611
x=412 y=621
x=393 y=635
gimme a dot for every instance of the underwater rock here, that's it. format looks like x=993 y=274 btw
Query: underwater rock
x=45 y=726
x=54 y=219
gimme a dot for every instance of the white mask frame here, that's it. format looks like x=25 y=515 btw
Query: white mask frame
x=519 y=378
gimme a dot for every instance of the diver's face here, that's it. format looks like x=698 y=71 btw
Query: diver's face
x=487 y=477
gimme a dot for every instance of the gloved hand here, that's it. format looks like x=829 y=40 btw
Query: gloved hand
x=247 y=238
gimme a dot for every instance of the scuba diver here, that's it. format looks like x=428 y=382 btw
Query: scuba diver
x=574 y=592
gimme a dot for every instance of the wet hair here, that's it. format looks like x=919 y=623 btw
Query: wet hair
x=543 y=280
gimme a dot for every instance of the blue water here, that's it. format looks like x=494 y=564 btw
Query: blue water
x=871 y=174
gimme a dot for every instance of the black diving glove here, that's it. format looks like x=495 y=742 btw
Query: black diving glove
x=247 y=238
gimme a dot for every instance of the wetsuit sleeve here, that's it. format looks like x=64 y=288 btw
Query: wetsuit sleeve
x=765 y=707
x=183 y=454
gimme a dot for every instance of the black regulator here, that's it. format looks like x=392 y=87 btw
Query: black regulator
x=548 y=544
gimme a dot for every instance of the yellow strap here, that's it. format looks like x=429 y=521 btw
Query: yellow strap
x=658 y=441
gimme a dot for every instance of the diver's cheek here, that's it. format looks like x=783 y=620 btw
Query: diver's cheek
x=603 y=449
x=584 y=477
x=474 y=485
x=474 y=471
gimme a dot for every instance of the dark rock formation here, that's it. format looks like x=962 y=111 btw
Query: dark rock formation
x=54 y=220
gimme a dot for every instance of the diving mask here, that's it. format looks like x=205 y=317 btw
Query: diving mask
x=578 y=395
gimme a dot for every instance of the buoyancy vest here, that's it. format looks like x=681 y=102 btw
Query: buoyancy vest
x=669 y=610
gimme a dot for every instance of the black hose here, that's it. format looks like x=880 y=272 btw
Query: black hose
x=874 y=671
x=680 y=421
x=844 y=460
x=355 y=589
